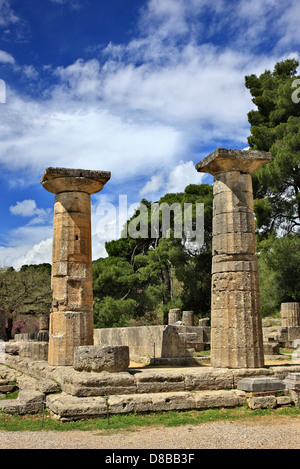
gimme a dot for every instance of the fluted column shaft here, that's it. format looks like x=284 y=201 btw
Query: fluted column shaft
x=71 y=320
x=236 y=326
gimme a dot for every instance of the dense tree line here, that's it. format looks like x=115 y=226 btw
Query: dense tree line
x=275 y=127
x=26 y=292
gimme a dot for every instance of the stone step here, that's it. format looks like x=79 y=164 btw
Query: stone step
x=28 y=402
x=67 y=408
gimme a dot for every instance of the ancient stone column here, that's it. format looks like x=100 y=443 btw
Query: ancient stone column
x=174 y=315
x=71 y=320
x=236 y=327
x=290 y=314
x=188 y=318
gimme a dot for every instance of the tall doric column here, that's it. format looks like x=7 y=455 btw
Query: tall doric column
x=71 y=321
x=236 y=328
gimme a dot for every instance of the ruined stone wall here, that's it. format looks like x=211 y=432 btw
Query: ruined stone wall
x=140 y=340
x=170 y=341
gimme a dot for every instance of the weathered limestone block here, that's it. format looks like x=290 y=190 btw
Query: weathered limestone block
x=28 y=402
x=156 y=381
x=68 y=330
x=258 y=385
x=45 y=386
x=44 y=324
x=34 y=350
x=85 y=383
x=101 y=358
x=71 y=322
x=204 y=322
x=6 y=387
x=12 y=348
x=231 y=263
x=214 y=399
x=233 y=222
x=290 y=314
x=174 y=315
x=283 y=400
x=124 y=404
x=262 y=402
x=293 y=333
x=168 y=401
x=234 y=243
x=292 y=381
x=271 y=348
x=236 y=327
x=68 y=408
x=188 y=318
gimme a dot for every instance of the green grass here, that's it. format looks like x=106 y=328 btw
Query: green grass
x=131 y=422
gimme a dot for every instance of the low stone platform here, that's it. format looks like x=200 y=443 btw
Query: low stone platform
x=71 y=394
x=65 y=407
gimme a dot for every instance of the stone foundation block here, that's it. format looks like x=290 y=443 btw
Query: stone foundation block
x=257 y=385
x=34 y=350
x=101 y=358
x=271 y=348
x=292 y=381
x=293 y=333
x=155 y=381
x=68 y=329
x=28 y=402
x=262 y=402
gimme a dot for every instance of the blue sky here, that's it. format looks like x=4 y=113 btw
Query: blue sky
x=142 y=88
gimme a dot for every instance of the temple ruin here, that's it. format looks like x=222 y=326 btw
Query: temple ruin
x=78 y=372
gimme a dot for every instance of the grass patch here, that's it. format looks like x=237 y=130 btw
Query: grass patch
x=131 y=422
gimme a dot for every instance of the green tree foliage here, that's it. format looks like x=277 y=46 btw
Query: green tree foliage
x=156 y=269
x=275 y=127
x=279 y=264
x=27 y=291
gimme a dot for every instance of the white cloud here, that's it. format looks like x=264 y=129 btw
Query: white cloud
x=37 y=254
x=6 y=58
x=182 y=175
x=147 y=108
x=67 y=133
x=7 y=15
x=155 y=184
x=176 y=180
x=27 y=245
x=28 y=208
x=25 y=208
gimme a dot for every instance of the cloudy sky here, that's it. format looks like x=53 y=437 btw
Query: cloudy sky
x=142 y=88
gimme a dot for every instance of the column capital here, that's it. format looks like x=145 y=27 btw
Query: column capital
x=224 y=160
x=57 y=180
